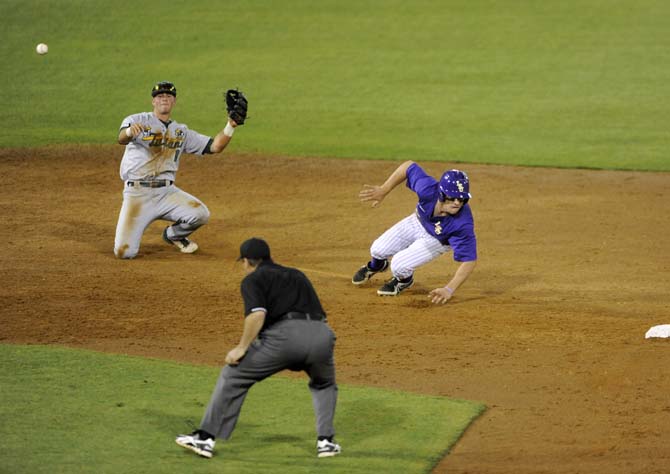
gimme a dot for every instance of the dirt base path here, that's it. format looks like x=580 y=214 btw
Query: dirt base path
x=574 y=267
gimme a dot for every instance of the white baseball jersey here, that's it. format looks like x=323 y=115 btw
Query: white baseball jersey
x=155 y=153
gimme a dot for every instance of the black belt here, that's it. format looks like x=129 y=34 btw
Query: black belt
x=156 y=183
x=303 y=316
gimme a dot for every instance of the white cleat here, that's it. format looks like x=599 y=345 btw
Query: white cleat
x=325 y=448
x=184 y=245
x=202 y=447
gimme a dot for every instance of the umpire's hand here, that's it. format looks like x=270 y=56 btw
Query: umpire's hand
x=234 y=356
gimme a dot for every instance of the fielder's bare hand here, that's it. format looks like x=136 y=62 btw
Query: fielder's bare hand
x=374 y=194
x=135 y=130
x=128 y=134
x=440 y=295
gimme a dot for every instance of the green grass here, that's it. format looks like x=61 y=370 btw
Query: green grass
x=66 y=411
x=569 y=83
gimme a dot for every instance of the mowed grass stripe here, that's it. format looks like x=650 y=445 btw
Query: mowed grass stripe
x=67 y=410
x=571 y=84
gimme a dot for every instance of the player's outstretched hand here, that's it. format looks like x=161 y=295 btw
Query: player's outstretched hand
x=236 y=104
x=439 y=295
x=374 y=194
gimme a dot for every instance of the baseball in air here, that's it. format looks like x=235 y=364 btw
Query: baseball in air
x=42 y=48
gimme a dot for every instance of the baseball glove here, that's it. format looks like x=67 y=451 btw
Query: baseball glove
x=236 y=104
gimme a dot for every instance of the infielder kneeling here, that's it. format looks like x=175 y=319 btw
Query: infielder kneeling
x=154 y=143
x=441 y=222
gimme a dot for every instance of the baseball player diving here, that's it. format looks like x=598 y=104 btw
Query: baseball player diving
x=154 y=144
x=441 y=222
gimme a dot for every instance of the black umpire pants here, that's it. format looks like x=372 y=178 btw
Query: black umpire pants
x=300 y=345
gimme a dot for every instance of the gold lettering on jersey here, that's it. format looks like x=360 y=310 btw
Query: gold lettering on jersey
x=158 y=139
x=438 y=228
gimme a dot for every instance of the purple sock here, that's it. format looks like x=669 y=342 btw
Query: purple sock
x=376 y=264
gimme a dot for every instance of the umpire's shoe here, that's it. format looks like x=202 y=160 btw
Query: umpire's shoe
x=184 y=245
x=202 y=447
x=326 y=448
x=365 y=273
x=395 y=286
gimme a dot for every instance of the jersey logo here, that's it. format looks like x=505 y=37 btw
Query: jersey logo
x=158 y=139
x=438 y=228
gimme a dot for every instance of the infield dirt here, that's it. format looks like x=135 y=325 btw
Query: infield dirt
x=574 y=267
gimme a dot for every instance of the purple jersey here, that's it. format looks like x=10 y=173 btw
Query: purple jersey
x=456 y=231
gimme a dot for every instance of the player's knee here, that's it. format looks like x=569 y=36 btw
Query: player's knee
x=203 y=218
x=125 y=252
x=378 y=251
x=401 y=269
x=322 y=384
x=199 y=217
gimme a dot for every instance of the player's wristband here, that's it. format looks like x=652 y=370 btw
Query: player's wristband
x=129 y=132
x=451 y=292
x=229 y=130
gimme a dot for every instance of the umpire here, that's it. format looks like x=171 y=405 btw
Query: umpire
x=284 y=328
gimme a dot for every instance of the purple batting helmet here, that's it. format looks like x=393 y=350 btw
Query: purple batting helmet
x=455 y=184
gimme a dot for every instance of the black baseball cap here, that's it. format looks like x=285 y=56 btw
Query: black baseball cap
x=164 y=87
x=254 y=248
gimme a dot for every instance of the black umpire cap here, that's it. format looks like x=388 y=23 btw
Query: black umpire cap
x=164 y=87
x=254 y=248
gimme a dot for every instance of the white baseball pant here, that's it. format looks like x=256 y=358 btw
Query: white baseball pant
x=141 y=206
x=410 y=246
